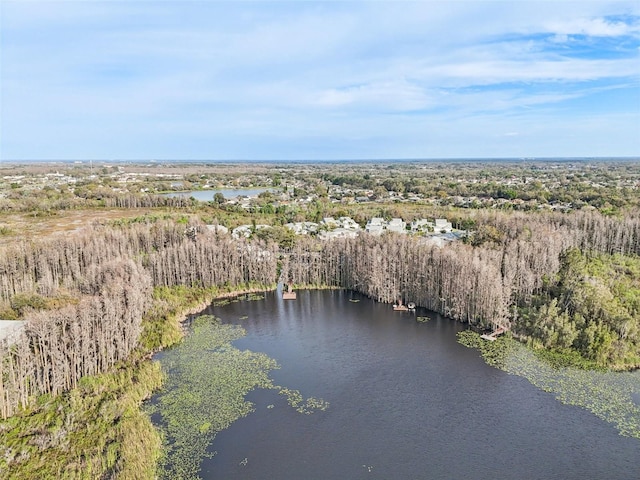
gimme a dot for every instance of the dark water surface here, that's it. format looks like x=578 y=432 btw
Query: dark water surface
x=406 y=402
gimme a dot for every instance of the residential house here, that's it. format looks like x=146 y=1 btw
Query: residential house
x=349 y=223
x=218 y=228
x=338 y=233
x=330 y=223
x=303 y=228
x=10 y=330
x=443 y=225
x=421 y=226
x=397 y=225
x=246 y=230
x=375 y=226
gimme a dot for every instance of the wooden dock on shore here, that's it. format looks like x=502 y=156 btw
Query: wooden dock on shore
x=493 y=335
x=289 y=294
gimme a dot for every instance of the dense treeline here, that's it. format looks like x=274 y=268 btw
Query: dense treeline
x=61 y=263
x=147 y=201
x=588 y=230
x=489 y=281
x=516 y=253
x=175 y=253
x=592 y=307
x=49 y=200
x=460 y=281
x=507 y=264
x=106 y=278
x=57 y=348
x=213 y=260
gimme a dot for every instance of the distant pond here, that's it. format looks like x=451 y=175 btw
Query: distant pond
x=229 y=193
x=406 y=401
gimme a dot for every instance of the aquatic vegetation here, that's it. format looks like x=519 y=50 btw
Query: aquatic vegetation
x=204 y=392
x=221 y=302
x=608 y=395
x=494 y=353
x=308 y=406
x=207 y=379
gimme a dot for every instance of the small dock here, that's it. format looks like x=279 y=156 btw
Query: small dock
x=289 y=294
x=493 y=335
x=401 y=307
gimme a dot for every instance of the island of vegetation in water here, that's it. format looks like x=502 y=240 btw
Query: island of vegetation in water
x=547 y=250
x=609 y=395
x=207 y=380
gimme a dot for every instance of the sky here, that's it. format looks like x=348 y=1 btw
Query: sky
x=328 y=80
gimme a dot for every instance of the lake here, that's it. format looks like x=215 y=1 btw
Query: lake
x=406 y=402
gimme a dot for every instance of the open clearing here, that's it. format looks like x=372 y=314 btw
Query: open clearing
x=25 y=226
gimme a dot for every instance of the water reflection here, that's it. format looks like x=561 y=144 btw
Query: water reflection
x=407 y=401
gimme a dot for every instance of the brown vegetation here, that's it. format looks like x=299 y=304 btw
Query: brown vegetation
x=111 y=273
x=108 y=273
x=83 y=297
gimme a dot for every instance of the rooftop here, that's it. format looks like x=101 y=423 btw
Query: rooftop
x=9 y=328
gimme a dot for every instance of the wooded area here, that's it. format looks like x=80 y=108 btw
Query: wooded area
x=102 y=270
x=101 y=283
x=83 y=297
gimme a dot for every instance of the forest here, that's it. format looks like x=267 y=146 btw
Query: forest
x=566 y=282
x=561 y=281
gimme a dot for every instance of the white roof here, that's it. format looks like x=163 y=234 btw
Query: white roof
x=10 y=328
x=375 y=229
x=218 y=228
x=422 y=221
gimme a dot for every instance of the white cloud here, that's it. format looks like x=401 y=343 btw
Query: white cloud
x=350 y=70
x=560 y=38
x=388 y=96
x=595 y=27
x=494 y=71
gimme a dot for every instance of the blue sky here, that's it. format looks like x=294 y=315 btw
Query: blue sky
x=209 y=80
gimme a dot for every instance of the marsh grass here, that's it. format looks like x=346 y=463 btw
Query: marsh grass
x=207 y=379
x=222 y=302
x=609 y=395
x=96 y=430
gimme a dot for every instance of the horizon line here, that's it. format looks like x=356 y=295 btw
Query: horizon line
x=325 y=160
